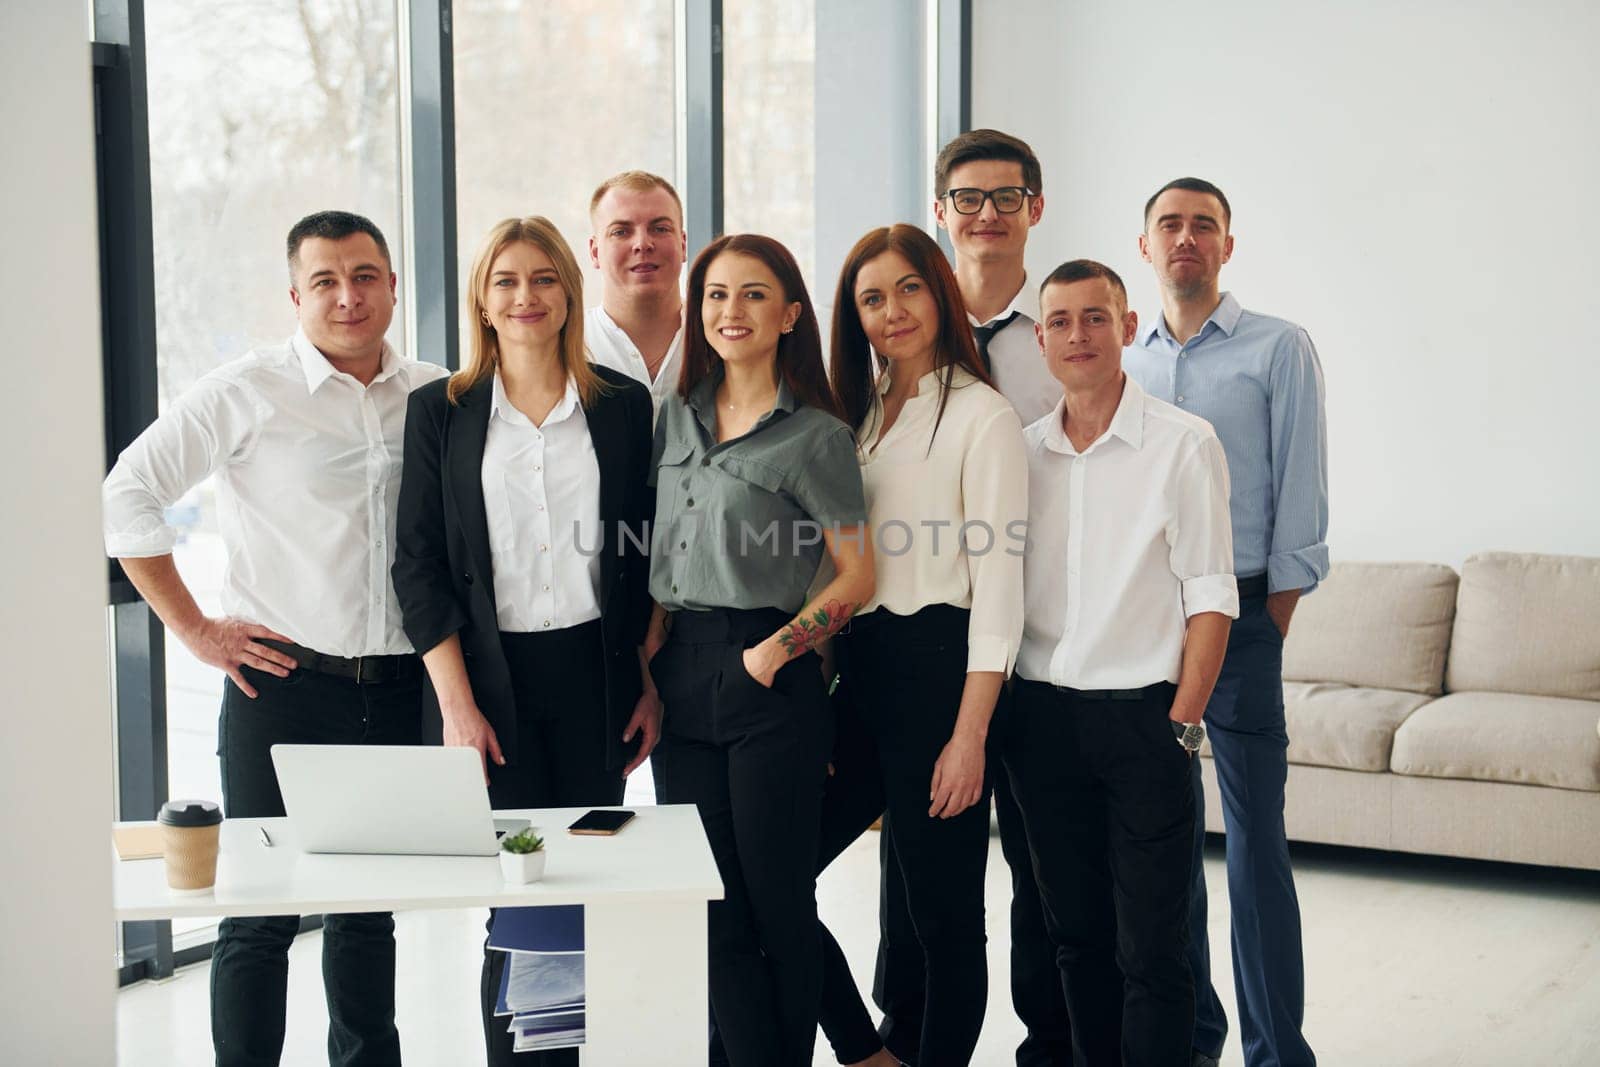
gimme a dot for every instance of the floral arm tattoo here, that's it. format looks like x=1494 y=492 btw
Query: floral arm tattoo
x=806 y=632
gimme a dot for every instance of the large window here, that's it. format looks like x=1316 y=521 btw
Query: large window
x=551 y=99
x=768 y=104
x=257 y=112
x=244 y=142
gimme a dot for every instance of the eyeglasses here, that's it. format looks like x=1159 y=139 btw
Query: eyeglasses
x=1008 y=199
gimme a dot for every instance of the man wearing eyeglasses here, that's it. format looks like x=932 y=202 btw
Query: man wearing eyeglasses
x=990 y=195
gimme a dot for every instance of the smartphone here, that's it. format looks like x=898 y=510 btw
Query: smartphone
x=600 y=823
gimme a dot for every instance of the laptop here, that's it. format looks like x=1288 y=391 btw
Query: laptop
x=414 y=800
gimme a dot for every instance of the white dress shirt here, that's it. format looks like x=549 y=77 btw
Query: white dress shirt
x=920 y=500
x=307 y=466
x=1126 y=540
x=541 y=497
x=610 y=346
x=1015 y=362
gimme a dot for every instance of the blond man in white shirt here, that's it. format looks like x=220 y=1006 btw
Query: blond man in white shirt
x=304 y=441
x=638 y=246
x=1130 y=596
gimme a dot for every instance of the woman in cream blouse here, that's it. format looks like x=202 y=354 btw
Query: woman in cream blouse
x=922 y=663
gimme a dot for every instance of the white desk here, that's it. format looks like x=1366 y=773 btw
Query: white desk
x=644 y=893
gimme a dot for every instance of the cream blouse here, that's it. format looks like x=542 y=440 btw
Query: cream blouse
x=949 y=522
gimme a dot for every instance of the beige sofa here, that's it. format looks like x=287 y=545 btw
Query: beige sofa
x=1451 y=715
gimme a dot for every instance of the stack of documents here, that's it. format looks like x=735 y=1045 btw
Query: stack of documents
x=542 y=986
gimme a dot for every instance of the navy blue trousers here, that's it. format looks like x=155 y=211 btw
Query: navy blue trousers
x=1249 y=749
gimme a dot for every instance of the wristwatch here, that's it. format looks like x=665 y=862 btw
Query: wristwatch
x=1189 y=735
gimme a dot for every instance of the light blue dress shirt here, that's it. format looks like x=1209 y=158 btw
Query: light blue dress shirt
x=1257 y=380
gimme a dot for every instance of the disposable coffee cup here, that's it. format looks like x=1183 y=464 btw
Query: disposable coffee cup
x=189 y=833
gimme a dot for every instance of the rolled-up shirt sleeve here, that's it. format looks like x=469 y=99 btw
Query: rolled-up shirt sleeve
x=1201 y=537
x=211 y=423
x=828 y=486
x=994 y=495
x=1297 y=555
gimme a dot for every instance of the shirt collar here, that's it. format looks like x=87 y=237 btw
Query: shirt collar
x=501 y=405
x=1026 y=302
x=928 y=383
x=317 y=369
x=1225 y=317
x=1127 y=423
x=702 y=400
x=620 y=337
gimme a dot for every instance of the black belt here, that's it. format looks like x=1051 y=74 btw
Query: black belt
x=362 y=670
x=1159 y=688
x=725 y=625
x=1253 y=586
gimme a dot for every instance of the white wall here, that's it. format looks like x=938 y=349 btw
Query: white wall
x=57 y=980
x=1415 y=184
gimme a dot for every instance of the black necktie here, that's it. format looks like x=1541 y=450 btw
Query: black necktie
x=985 y=334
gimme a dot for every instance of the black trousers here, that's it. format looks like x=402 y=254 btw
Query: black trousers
x=905 y=676
x=250 y=964
x=753 y=760
x=558 y=679
x=900 y=978
x=1105 y=795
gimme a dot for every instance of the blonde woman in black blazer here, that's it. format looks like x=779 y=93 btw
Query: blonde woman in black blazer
x=520 y=564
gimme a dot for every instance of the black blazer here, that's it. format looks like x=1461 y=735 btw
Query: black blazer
x=442 y=566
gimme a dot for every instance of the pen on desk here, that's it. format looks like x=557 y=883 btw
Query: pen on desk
x=265 y=840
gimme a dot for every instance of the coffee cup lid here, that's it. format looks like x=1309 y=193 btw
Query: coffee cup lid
x=189 y=813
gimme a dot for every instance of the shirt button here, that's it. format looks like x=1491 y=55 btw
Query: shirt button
x=705 y=461
x=691 y=502
x=1180 y=400
x=683 y=544
x=674 y=588
x=547 y=624
x=541 y=507
x=547 y=589
x=537 y=469
x=544 y=548
x=686 y=483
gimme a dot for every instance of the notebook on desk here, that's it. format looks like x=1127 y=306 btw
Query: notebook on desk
x=414 y=800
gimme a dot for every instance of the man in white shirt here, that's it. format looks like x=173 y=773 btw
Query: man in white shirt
x=1129 y=598
x=304 y=440
x=990 y=194
x=639 y=246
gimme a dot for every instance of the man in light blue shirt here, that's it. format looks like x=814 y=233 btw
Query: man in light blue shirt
x=1257 y=380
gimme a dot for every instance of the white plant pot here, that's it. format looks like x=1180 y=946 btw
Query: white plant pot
x=519 y=869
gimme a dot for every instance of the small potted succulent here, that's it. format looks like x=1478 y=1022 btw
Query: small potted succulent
x=522 y=857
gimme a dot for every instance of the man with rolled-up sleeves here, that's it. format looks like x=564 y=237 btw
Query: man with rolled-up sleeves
x=1129 y=596
x=1257 y=380
x=304 y=440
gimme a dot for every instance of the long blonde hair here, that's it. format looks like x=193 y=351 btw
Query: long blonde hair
x=485 y=347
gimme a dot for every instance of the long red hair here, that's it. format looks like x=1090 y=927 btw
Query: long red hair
x=855 y=366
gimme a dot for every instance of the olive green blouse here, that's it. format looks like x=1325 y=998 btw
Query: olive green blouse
x=739 y=524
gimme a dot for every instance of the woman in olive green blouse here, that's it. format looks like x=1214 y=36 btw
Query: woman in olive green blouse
x=757 y=479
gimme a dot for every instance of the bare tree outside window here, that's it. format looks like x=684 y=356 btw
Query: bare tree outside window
x=768 y=108
x=552 y=99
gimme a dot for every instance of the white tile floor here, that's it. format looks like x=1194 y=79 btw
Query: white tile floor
x=1410 y=960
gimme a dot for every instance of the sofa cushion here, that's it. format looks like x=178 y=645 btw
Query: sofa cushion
x=1503 y=737
x=1379 y=625
x=1527 y=624
x=1349 y=727
x=1342 y=726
